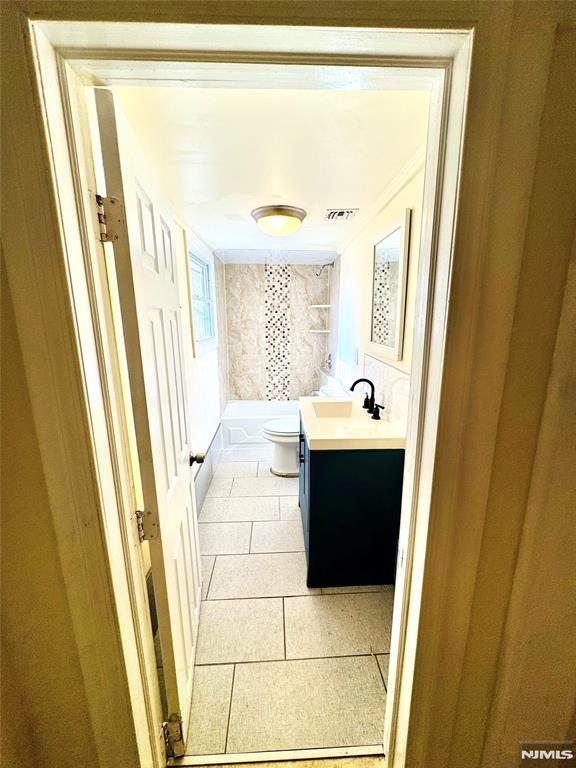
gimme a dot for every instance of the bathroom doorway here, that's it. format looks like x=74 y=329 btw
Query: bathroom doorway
x=242 y=551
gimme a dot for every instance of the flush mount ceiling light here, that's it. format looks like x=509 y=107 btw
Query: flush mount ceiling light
x=278 y=220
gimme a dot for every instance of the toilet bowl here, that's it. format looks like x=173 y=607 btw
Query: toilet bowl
x=285 y=434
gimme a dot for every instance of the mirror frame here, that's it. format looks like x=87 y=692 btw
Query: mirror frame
x=394 y=351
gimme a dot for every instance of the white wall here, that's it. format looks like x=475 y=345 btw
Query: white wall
x=356 y=270
x=203 y=369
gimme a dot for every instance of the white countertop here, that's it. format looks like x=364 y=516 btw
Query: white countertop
x=336 y=424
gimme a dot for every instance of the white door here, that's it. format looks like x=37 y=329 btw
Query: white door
x=145 y=258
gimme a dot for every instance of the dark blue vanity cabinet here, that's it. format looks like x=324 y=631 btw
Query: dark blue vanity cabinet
x=350 y=505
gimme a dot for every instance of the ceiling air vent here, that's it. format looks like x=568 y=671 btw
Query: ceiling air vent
x=340 y=214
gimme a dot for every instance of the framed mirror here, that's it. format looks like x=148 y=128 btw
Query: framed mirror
x=389 y=289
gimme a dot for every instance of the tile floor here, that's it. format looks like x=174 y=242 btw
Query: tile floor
x=279 y=665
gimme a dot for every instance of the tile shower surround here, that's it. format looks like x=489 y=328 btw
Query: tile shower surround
x=271 y=354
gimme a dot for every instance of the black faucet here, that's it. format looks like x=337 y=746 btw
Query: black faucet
x=368 y=401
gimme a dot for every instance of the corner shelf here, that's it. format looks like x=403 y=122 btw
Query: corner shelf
x=319 y=306
x=318 y=330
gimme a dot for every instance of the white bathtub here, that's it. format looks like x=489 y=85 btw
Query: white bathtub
x=243 y=420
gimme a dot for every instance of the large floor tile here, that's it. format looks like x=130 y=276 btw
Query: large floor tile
x=239 y=509
x=277 y=536
x=240 y=630
x=305 y=704
x=224 y=538
x=207 y=562
x=270 y=575
x=236 y=469
x=337 y=625
x=210 y=708
x=220 y=486
x=384 y=664
x=289 y=509
x=264 y=467
x=264 y=486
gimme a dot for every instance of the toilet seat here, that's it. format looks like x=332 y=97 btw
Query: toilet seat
x=288 y=426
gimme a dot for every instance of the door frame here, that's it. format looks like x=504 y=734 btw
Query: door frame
x=445 y=71
x=57 y=230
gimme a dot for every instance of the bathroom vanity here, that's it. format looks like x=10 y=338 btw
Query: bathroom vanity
x=351 y=471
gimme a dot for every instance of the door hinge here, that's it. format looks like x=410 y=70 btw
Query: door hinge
x=147 y=527
x=173 y=737
x=110 y=218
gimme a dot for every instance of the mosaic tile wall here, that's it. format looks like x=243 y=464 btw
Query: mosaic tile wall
x=271 y=353
x=277 y=340
x=384 y=309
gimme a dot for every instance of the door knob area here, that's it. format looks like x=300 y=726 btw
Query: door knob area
x=197 y=458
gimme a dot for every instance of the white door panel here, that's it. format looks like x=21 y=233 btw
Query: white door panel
x=151 y=316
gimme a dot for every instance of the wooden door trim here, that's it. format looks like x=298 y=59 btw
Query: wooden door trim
x=402 y=662
x=40 y=285
x=128 y=576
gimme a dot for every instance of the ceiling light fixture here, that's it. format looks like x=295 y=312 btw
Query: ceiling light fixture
x=278 y=220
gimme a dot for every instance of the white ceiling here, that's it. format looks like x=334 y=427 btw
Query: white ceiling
x=223 y=152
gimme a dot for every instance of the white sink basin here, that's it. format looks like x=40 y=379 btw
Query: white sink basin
x=337 y=423
x=333 y=409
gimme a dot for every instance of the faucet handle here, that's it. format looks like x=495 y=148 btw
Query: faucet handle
x=366 y=405
x=376 y=414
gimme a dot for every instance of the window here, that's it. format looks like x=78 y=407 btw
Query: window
x=202 y=298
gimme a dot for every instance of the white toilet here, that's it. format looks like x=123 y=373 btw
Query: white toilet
x=285 y=434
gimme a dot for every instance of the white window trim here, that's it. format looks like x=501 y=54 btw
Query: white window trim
x=196 y=249
x=200 y=266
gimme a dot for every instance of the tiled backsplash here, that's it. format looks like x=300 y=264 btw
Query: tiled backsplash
x=392 y=387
